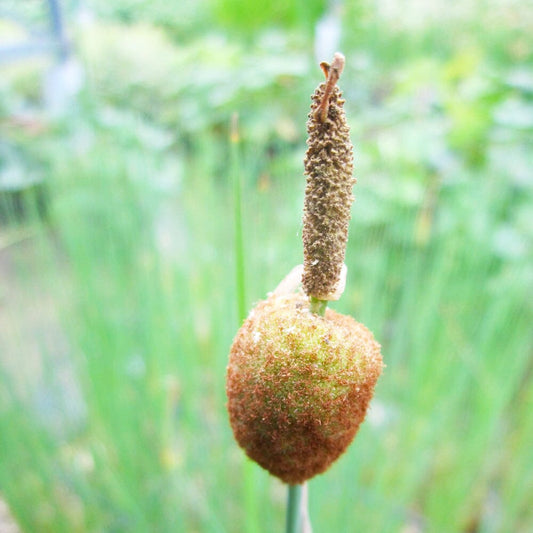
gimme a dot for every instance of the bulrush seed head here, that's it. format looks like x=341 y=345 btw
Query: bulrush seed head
x=298 y=385
x=328 y=194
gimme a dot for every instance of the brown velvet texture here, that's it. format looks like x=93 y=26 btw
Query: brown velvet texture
x=298 y=385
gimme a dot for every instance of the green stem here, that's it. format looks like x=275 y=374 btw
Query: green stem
x=318 y=306
x=294 y=500
x=251 y=508
x=238 y=225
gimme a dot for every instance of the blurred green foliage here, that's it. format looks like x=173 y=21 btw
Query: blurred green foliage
x=136 y=255
x=249 y=17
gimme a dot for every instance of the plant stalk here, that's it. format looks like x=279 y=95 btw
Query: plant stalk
x=294 y=516
x=251 y=508
x=238 y=225
x=318 y=306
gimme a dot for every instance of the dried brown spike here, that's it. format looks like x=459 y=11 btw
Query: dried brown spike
x=328 y=195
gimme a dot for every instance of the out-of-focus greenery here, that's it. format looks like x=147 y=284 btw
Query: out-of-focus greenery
x=132 y=263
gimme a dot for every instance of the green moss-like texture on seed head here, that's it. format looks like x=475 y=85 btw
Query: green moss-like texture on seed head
x=298 y=385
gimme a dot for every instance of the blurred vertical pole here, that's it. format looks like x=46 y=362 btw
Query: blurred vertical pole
x=328 y=31
x=251 y=508
x=64 y=78
x=58 y=30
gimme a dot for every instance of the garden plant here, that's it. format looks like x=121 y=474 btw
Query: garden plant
x=300 y=377
x=169 y=186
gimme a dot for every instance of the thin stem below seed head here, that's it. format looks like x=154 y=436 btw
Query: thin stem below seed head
x=294 y=498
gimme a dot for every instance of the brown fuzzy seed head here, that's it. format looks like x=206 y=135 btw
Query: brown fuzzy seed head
x=328 y=194
x=298 y=385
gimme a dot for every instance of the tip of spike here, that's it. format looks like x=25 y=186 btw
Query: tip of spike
x=338 y=62
x=332 y=72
